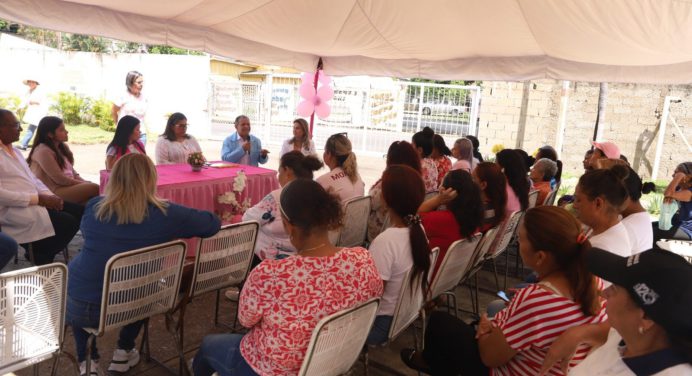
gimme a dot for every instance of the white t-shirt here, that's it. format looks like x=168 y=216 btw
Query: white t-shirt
x=391 y=251
x=607 y=360
x=133 y=106
x=341 y=185
x=640 y=232
x=288 y=147
x=34 y=112
x=614 y=240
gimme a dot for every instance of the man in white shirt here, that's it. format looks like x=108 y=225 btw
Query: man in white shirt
x=29 y=212
x=36 y=107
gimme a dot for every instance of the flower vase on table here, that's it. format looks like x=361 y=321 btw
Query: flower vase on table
x=196 y=160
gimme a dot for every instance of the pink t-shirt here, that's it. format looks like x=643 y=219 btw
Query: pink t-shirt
x=283 y=300
x=513 y=203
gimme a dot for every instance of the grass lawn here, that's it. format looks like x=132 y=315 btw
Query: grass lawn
x=85 y=135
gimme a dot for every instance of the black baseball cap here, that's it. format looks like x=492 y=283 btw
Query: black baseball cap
x=659 y=281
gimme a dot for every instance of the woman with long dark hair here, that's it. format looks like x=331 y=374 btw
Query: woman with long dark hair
x=440 y=155
x=515 y=171
x=461 y=218
x=52 y=161
x=517 y=339
x=400 y=152
x=175 y=144
x=423 y=144
x=402 y=247
x=125 y=140
x=493 y=183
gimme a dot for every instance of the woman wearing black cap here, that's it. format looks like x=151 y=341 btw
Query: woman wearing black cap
x=650 y=314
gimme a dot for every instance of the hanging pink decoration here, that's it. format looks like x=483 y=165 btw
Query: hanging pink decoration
x=315 y=100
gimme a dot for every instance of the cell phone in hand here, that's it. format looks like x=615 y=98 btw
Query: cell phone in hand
x=502 y=295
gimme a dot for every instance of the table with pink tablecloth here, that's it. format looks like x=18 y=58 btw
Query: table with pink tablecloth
x=201 y=190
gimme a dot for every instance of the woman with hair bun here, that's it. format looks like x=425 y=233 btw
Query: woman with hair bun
x=343 y=178
x=440 y=155
x=283 y=300
x=599 y=198
x=272 y=239
x=400 y=248
x=423 y=143
x=516 y=341
x=636 y=219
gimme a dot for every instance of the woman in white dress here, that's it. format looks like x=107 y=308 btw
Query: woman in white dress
x=301 y=140
x=272 y=240
x=174 y=145
x=132 y=102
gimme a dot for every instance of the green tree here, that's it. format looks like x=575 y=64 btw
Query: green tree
x=88 y=43
x=168 y=50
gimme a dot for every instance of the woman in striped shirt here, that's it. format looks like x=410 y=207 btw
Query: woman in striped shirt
x=516 y=340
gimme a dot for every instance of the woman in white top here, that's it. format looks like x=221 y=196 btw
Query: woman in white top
x=174 y=145
x=301 y=140
x=648 y=328
x=272 y=240
x=400 y=248
x=636 y=219
x=423 y=143
x=598 y=200
x=132 y=102
x=342 y=179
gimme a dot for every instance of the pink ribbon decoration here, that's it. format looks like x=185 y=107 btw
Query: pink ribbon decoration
x=315 y=100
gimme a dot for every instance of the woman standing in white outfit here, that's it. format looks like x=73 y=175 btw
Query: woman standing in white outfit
x=132 y=102
x=174 y=145
x=301 y=140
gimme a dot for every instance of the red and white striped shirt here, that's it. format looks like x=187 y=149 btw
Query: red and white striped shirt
x=533 y=319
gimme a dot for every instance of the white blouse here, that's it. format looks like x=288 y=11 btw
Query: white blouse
x=173 y=152
x=288 y=147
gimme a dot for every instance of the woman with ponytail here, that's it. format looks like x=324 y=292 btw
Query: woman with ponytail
x=400 y=248
x=635 y=218
x=516 y=340
x=515 y=170
x=599 y=199
x=343 y=178
x=272 y=239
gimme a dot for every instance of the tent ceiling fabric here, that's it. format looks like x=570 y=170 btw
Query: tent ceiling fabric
x=586 y=40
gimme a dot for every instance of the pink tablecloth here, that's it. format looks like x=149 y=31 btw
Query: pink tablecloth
x=200 y=190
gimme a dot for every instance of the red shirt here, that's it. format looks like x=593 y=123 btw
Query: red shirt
x=442 y=230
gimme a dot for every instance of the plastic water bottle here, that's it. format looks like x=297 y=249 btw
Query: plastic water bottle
x=668 y=210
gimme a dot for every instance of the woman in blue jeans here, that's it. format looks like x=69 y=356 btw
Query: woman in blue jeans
x=129 y=216
x=8 y=248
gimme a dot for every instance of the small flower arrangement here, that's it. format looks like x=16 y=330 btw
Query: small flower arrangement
x=232 y=199
x=497 y=148
x=196 y=160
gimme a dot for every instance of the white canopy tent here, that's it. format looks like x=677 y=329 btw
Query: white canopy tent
x=647 y=41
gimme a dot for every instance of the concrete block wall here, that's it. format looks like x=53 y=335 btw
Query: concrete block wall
x=525 y=115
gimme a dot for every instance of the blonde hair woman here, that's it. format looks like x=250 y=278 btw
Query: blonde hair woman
x=343 y=178
x=301 y=140
x=129 y=216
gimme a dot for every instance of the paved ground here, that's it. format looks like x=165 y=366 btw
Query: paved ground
x=384 y=361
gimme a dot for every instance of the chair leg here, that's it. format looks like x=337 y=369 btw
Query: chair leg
x=66 y=255
x=497 y=280
x=366 y=360
x=216 y=308
x=90 y=341
x=477 y=305
x=16 y=257
x=30 y=251
x=144 y=347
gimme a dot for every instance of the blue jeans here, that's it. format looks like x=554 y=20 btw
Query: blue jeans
x=8 y=248
x=221 y=353
x=379 y=333
x=27 y=136
x=82 y=314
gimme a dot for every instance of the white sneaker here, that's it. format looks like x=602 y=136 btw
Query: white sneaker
x=232 y=294
x=94 y=366
x=123 y=360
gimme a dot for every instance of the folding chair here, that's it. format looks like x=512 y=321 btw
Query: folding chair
x=507 y=232
x=338 y=339
x=222 y=261
x=533 y=197
x=453 y=268
x=680 y=247
x=355 y=229
x=32 y=317
x=550 y=198
x=136 y=286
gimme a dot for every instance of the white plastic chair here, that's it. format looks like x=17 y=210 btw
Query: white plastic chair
x=138 y=285
x=338 y=339
x=355 y=229
x=533 y=197
x=32 y=316
x=550 y=198
x=455 y=265
x=680 y=247
x=504 y=236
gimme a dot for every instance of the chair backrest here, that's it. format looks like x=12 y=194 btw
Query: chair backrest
x=550 y=198
x=224 y=259
x=338 y=339
x=141 y=283
x=533 y=197
x=456 y=262
x=32 y=315
x=407 y=306
x=504 y=236
x=356 y=212
x=481 y=251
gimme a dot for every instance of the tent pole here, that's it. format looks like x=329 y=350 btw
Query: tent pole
x=562 y=119
x=662 y=134
x=317 y=77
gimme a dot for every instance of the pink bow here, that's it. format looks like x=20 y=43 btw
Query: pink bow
x=315 y=101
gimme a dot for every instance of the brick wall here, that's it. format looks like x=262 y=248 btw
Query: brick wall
x=525 y=115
